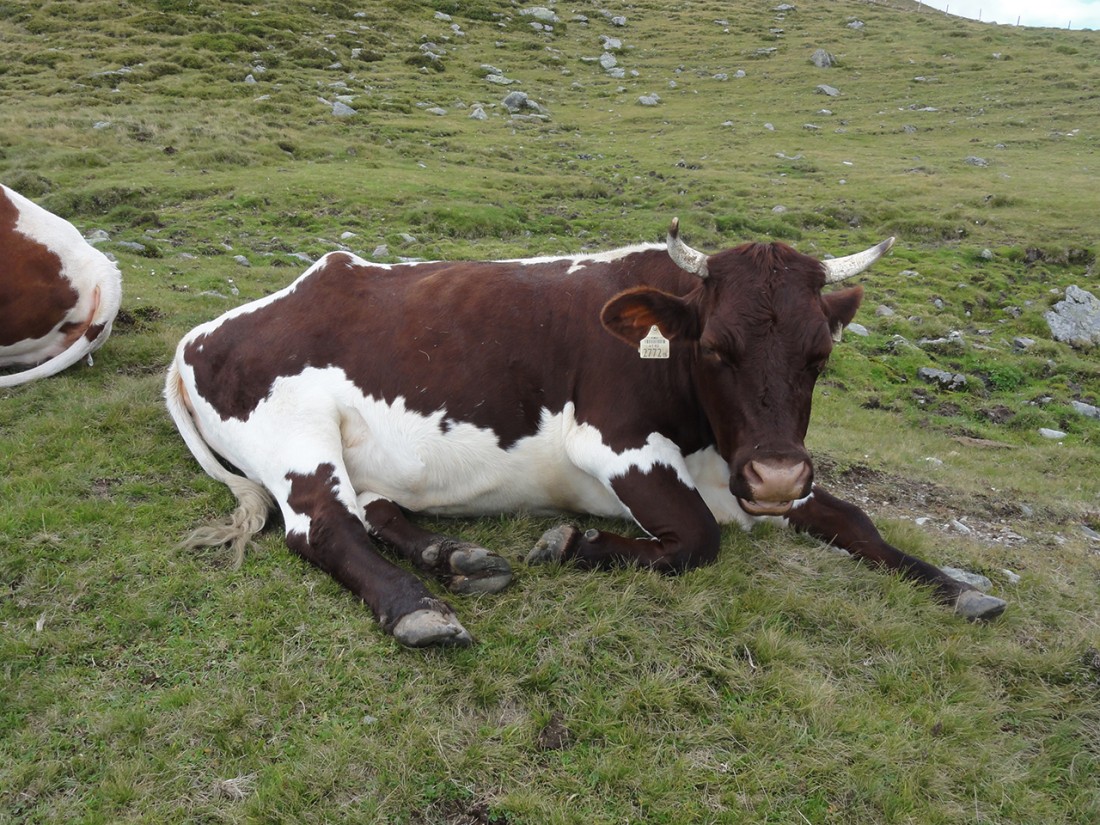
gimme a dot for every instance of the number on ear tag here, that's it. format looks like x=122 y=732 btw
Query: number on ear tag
x=654 y=345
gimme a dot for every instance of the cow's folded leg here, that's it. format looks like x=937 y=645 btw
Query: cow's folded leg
x=463 y=566
x=322 y=529
x=683 y=532
x=844 y=525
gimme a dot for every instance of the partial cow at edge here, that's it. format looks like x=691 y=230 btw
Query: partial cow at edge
x=59 y=295
x=652 y=383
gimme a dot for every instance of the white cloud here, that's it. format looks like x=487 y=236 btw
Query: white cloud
x=1077 y=14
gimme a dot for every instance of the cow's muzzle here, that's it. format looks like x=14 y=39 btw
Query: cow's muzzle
x=775 y=486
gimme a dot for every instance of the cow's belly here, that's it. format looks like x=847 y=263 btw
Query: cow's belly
x=460 y=469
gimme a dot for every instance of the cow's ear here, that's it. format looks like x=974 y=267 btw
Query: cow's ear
x=840 y=307
x=630 y=314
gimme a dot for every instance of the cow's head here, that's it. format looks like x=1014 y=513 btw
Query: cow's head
x=760 y=331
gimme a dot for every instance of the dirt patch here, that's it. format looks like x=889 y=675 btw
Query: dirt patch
x=989 y=518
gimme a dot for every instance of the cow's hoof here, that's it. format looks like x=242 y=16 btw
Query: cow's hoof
x=477 y=570
x=424 y=628
x=976 y=605
x=553 y=545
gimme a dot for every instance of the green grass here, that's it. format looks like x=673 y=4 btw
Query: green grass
x=143 y=683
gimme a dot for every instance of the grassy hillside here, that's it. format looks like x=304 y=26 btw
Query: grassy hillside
x=141 y=683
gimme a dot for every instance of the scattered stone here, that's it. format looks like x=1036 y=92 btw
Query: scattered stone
x=986 y=254
x=1087 y=410
x=242 y=260
x=856 y=24
x=858 y=329
x=1053 y=435
x=1090 y=534
x=909 y=130
x=769 y=127
x=822 y=59
x=739 y=73
x=381 y=251
x=608 y=61
x=439 y=111
x=783 y=8
x=973 y=579
x=975 y=161
x=519 y=101
x=884 y=311
x=943 y=379
x=1075 y=320
x=618 y=20
x=303 y=257
x=540 y=13
x=1013 y=578
x=1022 y=343
x=342 y=109
x=478 y=113
x=825 y=89
x=935 y=462
x=611 y=44
x=406 y=238
x=650 y=100
x=97 y=236
x=133 y=246
x=101 y=124
x=249 y=79
x=779 y=209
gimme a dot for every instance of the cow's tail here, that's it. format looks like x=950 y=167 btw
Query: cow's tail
x=254 y=503
x=107 y=301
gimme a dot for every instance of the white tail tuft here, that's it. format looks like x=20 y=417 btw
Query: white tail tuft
x=253 y=501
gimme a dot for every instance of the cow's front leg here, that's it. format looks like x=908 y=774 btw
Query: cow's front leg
x=683 y=532
x=842 y=524
x=324 y=529
x=463 y=566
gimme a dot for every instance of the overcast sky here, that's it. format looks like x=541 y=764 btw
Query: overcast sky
x=1078 y=14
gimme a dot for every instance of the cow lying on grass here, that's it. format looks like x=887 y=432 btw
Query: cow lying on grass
x=58 y=294
x=653 y=383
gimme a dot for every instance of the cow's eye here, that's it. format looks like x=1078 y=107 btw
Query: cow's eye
x=710 y=353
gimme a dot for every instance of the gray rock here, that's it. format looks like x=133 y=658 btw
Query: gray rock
x=381 y=251
x=1022 y=343
x=858 y=329
x=608 y=60
x=500 y=79
x=1090 y=534
x=439 y=111
x=242 y=260
x=941 y=378
x=973 y=579
x=302 y=256
x=986 y=254
x=825 y=89
x=519 y=101
x=342 y=109
x=975 y=161
x=884 y=311
x=822 y=59
x=1087 y=410
x=650 y=100
x=133 y=246
x=478 y=113
x=1075 y=320
x=1012 y=578
x=618 y=20
x=856 y=24
x=611 y=44
x=97 y=236
x=540 y=13
x=1053 y=435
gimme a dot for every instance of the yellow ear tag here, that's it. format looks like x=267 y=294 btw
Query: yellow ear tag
x=654 y=345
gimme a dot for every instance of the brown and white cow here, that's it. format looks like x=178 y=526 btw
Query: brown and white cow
x=365 y=390
x=58 y=294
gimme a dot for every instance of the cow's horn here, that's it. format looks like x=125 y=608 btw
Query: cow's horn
x=837 y=269
x=688 y=259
